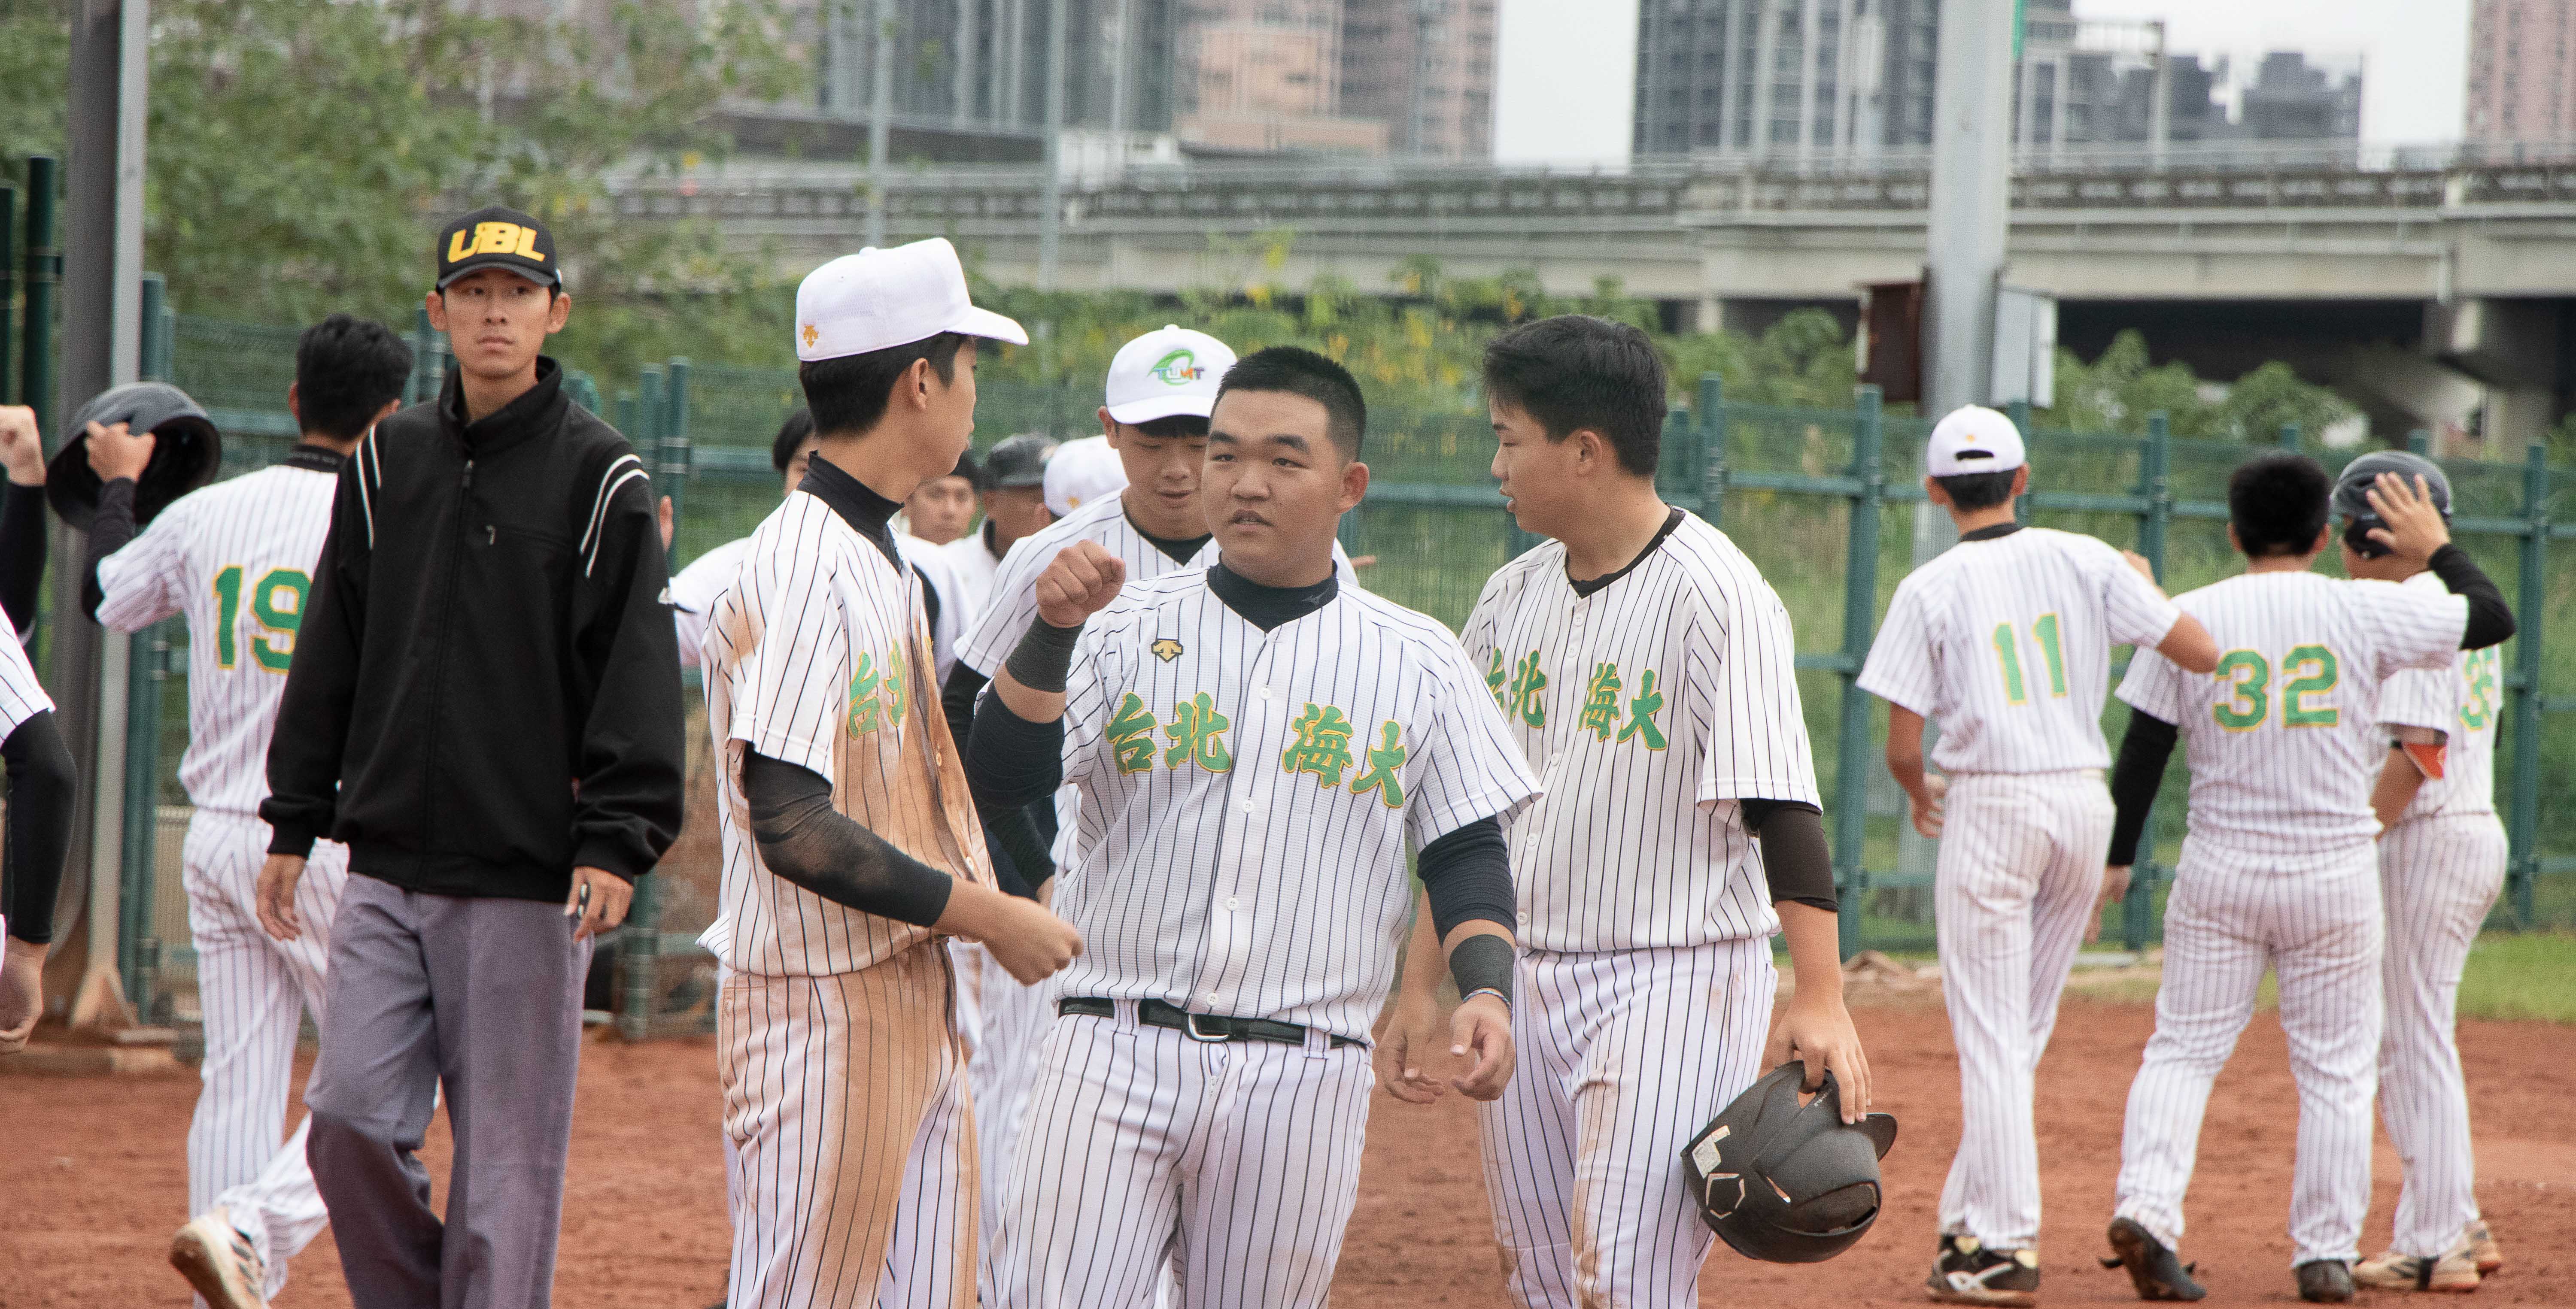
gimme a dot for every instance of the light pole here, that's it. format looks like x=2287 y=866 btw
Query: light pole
x=880 y=110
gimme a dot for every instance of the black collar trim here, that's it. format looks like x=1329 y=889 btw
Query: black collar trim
x=1588 y=586
x=1270 y=607
x=315 y=458
x=867 y=513
x=1994 y=533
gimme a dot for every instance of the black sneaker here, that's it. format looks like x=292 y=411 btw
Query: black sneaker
x=2153 y=1269
x=1967 y=1272
x=2325 y=1281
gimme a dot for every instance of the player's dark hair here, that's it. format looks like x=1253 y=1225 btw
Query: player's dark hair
x=791 y=434
x=1304 y=372
x=2277 y=504
x=347 y=369
x=1974 y=491
x=1576 y=372
x=848 y=395
x=1174 y=427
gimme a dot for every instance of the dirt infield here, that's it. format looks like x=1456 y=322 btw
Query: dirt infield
x=92 y=1180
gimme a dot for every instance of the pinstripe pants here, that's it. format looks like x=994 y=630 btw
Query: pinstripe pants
x=2020 y=866
x=2229 y=917
x=254 y=990
x=2440 y=877
x=1623 y=1056
x=1015 y=1022
x=1237 y=1161
x=854 y=1141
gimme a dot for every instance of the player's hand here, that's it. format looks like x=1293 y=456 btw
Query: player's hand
x=599 y=899
x=22 y=447
x=662 y=518
x=1081 y=581
x=1026 y=939
x=274 y=896
x=115 y=452
x=2145 y=569
x=1359 y=562
x=22 y=993
x=2414 y=527
x=1482 y=1028
x=1928 y=813
x=1412 y=1025
x=2115 y=888
x=1818 y=1032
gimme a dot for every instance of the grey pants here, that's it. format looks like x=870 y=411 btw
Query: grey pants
x=484 y=997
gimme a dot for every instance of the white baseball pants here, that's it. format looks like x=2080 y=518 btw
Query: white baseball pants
x=254 y=990
x=1015 y=1019
x=2440 y=877
x=2320 y=930
x=1238 y=1162
x=1624 y=1055
x=2020 y=867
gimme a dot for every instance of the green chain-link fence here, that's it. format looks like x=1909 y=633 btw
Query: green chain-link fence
x=1824 y=501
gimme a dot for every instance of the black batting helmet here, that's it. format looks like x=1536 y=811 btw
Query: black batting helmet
x=2352 y=493
x=1783 y=1182
x=185 y=452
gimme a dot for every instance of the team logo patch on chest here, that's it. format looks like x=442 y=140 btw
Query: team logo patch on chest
x=876 y=693
x=1166 y=649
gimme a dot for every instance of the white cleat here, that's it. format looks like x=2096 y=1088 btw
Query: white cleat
x=220 y=1262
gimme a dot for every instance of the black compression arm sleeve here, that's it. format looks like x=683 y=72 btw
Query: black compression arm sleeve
x=1467 y=874
x=805 y=840
x=957 y=702
x=1011 y=761
x=1795 y=858
x=2490 y=618
x=22 y=553
x=2134 y=780
x=39 y=826
x=108 y=532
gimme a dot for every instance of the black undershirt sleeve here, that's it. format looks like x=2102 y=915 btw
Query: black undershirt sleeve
x=2490 y=618
x=804 y=839
x=1467 y=874
x=1014 y=837
x=957 y=702
x=39 y=827
x=1010 y=761
x=2135 y=778
x=109 y=530
x=22 y=553
x=1796 y=860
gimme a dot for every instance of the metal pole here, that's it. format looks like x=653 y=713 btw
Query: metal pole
x=2159 y=100
x=667 y=405
x=1860 y=607
x=2288 y=436
x=44 y=283
x=2155 y=482
x=8 y=284
x=1970 y=214
x=1712 y=447
x=1051 y=187
x=2531 y=593
x=143 y=722
x=880 y=115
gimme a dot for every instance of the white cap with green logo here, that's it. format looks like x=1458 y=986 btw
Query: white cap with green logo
x=1167 y=372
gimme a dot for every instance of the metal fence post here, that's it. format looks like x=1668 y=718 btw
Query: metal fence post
x=2288 y=436
x=2533 y=588
x=659 y=402
x=2420 y=442
x=44 y=282
x=145 y=655
x=2155 y=482
x=8 y=284
x=424 y=383
x=1712 y=447
x=1860 y=606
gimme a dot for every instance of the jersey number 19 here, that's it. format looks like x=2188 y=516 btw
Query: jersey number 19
x=276 y=606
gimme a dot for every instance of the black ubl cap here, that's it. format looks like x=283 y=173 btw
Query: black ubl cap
x=497 y=237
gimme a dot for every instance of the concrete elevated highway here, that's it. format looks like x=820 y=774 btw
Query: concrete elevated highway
x=2427 y=284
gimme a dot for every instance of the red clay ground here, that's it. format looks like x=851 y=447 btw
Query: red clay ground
x=92 y=1180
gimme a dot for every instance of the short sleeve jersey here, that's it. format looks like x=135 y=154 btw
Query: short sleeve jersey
x=2006 y=643
x=1649 y=710
x=237 y=558
x=2284 y=739
x=694 y=591
x=1247 y=795
x=818 y=655
x=2464 y=701
x=21 y=696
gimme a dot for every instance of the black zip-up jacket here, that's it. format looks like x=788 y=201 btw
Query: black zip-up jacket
x=486 y=687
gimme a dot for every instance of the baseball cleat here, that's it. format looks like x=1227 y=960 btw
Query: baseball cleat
x=2325 y=1281
x=2153 y=1269
x=220 y=1262
x=2483 y=1249
x=1965 y=1271
x=2455 y=1271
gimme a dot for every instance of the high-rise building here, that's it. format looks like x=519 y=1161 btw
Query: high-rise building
x=1426 y=67
x=1407 y=77
x=2522 y=70
x=2293 y=100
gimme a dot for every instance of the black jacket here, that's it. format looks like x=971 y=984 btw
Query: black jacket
x=486 y=688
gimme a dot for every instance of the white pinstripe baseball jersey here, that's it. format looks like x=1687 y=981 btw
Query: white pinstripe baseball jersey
x=694 y=591
x=1648 y=709
x=2284 y=738
x=2464 y=700
x=819 y=656
x=975 y=566
x=21 y=696
x=237 y=557
x=2007 y=643
x=1246 y=797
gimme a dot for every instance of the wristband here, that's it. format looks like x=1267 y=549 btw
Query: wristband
x=1487 y=990
x=1044 y=657
x=1483 y=962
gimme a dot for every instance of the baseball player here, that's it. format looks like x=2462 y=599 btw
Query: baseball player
x=237 y=558
x=694 y=588
x=1254 y=743
x=484 y=705
x=2441 y=864
x=943 y=508
x=850 y=844
x=2277 y=867
x=1014 y=497
x=37 y=763
x=2006 y=640
x=1643 y=669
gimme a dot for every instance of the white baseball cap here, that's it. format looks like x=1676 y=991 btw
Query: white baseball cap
x=1081 y=472
x=1973 y=439
x=1167 y=372
x=880 y=299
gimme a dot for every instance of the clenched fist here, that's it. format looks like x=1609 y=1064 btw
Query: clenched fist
x=1081 y=581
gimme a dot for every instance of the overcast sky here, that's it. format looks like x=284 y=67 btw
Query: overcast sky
x=1567 y=69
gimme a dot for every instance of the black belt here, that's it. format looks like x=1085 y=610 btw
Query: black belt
x=1199 y=1027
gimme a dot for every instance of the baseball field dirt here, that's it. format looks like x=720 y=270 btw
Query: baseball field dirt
x=93 y=1179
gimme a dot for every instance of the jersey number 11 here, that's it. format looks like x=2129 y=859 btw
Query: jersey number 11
x=2008 y=652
